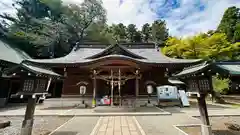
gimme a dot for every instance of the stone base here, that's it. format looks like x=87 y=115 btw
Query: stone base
x=149 y=105
x=206 y=130
x=82 y=106
x=107 y=109
x=3 y=102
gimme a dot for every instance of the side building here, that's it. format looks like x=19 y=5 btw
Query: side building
x=9 y=57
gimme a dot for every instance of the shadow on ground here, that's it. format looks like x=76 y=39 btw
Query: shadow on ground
x=209 y=106
x=64 y=133
x=13 y=106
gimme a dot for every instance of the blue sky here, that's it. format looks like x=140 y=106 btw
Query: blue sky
x=183 y=17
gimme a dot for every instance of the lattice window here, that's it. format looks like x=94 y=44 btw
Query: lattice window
x=199 y=85
x=41 y=83
x=204 y=85
x=28 y=86
x=193 y=86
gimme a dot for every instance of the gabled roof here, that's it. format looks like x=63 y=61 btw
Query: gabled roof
x=115 y=49
x=11 y=54
x=85 y=55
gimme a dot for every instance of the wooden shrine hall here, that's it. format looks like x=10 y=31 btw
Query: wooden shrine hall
x=120 y=71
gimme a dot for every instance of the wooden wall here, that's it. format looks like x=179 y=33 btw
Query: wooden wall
x=75 y=75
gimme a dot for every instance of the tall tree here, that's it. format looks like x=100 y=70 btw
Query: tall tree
x=79 y=18
x=229 y=21
x=131 y=32
x=119 y=32
x=236 y=34
x=159 y=31
x=57 y=29
x=146 y=32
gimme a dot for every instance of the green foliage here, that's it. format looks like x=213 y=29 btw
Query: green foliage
x=220 y=85
x=209 y=47
x=48 y=28
x=229 y=22
x=159 y=31
x=146 y=29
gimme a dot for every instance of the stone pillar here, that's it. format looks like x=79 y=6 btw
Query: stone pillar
x=27 y=124
x=206 y=128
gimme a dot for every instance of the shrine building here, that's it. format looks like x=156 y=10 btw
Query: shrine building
x=120 y=71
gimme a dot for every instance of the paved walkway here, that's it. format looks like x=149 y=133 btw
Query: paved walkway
x=117 y=125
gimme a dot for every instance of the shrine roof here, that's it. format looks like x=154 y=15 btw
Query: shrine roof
x=146 y=53
x=11 y=54
x=199 y=68
x=40 y=70
x=37 y=70
x=230 y=68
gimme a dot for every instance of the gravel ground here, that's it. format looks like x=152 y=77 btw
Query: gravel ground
x=42 y=125
x=218 y=126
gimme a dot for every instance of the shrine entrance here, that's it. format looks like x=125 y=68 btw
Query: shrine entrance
x=117 y=84
x=117 y=88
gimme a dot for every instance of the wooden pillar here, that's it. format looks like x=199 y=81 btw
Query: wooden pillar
x=94 y=89
x=27 y=124
x=112 y=88
x=136 y=87
x=119 y=88
x=64 y=81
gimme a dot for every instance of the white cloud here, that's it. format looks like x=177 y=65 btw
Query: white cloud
x=200 y=21
x=141 y=11
x=130 y=11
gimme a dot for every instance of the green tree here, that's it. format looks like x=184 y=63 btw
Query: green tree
x=220 y=85
x=236 y=35
x=79 y=18
x=159 y=31
x=55 y=31
x=119 y=32
x=217 y=47
x=211 y=47
x=146 y=32
x=174 y=47
x=131 y=32
x=229 y=21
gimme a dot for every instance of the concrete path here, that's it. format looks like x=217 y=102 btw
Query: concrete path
x=110 y=125
x=164 y=125
x=77 y=126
